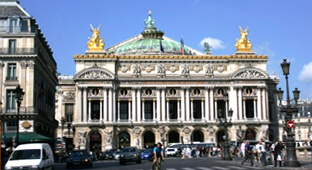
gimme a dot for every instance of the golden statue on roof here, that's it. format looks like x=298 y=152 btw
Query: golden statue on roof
x=243 y=44
x=95 y=43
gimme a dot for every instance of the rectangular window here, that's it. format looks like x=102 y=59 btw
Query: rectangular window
x=13 y=25
x=69 y=111
x=10 y=101
x=249 y=108
x=123 y=110
x=12 y=46
x=11 y=71
x=11 y=125
x=148 y=110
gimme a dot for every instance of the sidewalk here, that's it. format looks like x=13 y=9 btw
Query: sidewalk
x=305 y=164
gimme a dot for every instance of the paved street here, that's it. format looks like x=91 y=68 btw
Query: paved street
x=182 y=164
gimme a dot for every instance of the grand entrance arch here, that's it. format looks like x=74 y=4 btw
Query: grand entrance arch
x=250 y=134
x=124 y=139
x=95 y=141
x=220 y=137
x=148 y=139
x=197 y=136
x=174 y=137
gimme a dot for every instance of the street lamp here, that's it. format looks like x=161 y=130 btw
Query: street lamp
x=62 y=123
x=289 y=110
x=19 y=94
x=226 y=124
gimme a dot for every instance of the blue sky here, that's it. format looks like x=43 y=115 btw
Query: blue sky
x=279 y=29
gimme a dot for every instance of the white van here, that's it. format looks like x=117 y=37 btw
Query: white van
x=31 y=156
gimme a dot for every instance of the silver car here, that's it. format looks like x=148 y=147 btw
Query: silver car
x=130 y=154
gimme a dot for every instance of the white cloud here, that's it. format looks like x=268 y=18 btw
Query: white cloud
x=306 y=72
x=264 y=49
x=213 y=42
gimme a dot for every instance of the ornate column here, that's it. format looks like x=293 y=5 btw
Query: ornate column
x=182 y=105
x=255 y=108
x=114 y=104
x=168 y=110
x=264 y=110
x=202 y=110
x=154 y=110
x=215 y=109
x=105 y=105
x=178 y=109
x=89 y=115
x=187 y=108
x=133 y=105
x=206 y=105
x=244 y=108
x=129 y=109
x=139 y=105
x=259 y=103
x=79 y=117
x=158 y=104
x=101 y=110
x=234 y=103
x=118 y=108
x=1 y=77
x=85 y=104
x=110 y=105
x=21 y=73
x=212 y=112
x=163 y=104
x=192 y=109
x=227 y=107
x=240 y=105
x=143 y=110
x=30 y=84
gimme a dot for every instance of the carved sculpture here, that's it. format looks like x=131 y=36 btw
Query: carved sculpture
x=69 y=96
x=95 y=43
x=161 y=70
x=208 y=70
x=250 y=74
x=124 y=68
x=185 y=70
x=136 y=70
x=243 y=44
x=95 y=74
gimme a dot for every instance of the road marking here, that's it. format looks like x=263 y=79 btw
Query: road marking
x=236 y=167
x=221 y=168
x=171 y=169
x=188 y=169
x=204 y=168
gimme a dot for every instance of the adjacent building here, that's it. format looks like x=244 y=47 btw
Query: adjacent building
x=26 y=59
x=151 y=88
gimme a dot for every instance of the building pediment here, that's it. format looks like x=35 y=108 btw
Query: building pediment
x=94 y=73
x=250 y=73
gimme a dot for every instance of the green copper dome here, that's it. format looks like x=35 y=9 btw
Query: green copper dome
x=149 y=42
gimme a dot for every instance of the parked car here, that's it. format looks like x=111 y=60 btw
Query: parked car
x=130 y=154
x=171 y=151
x=79 y=158
x=31 y=156
x=147 y=154
x=117 y=154
x=109 y=155
x=101 y=156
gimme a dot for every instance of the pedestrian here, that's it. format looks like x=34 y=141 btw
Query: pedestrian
x=311 y=148
x=248 y=154
x=263 y=152
x=272 y=148
x=277 y=154
x=242 y=147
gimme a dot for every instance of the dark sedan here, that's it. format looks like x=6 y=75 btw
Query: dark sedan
x=130 y=154
x=79 y=158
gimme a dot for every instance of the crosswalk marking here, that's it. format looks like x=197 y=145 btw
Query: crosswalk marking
x=221 y=168
x=204 y=168
x=187 y=168
x=235 y=167
x=171 y=169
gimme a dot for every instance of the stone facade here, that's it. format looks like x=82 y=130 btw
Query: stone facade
x=25 y=59
x=122 y=98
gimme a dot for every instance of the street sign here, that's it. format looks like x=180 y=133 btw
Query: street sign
x=291 y=124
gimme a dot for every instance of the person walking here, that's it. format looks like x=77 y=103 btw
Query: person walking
x=263 y=152
x=248 y=154
x=277 y=154
x=242 y=147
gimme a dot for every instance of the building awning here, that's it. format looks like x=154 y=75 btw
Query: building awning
x=27 y=137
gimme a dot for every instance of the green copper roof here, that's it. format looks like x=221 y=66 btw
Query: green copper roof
x=150 y=42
